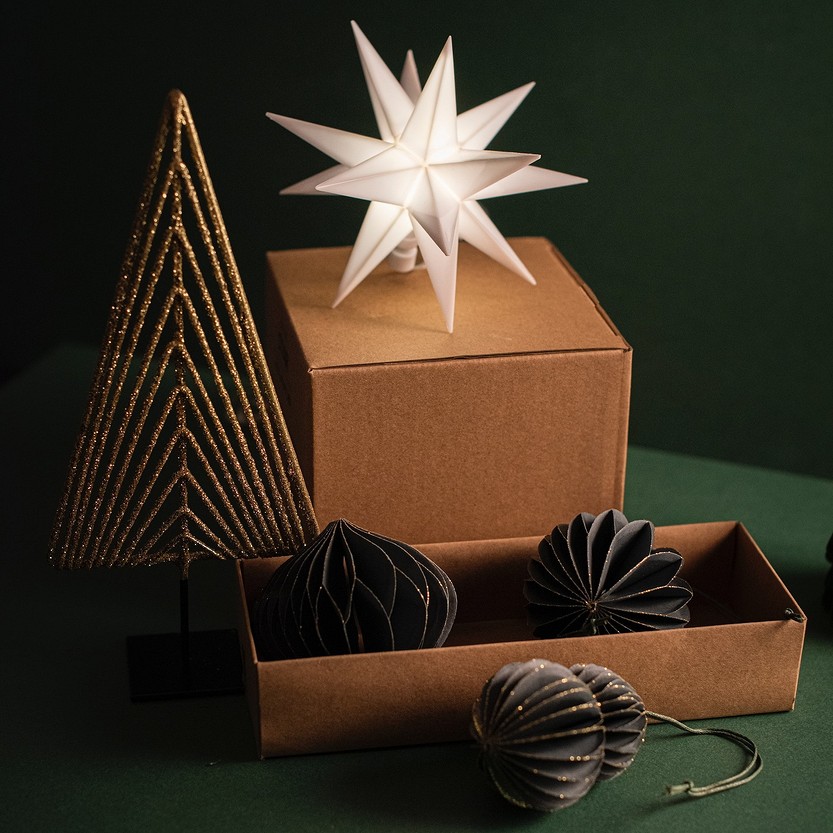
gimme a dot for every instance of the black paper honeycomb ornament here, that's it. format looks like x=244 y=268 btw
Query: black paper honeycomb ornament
x=623 y=715
x=548 y=734
x=601 y=575
x=541 y=734
x=353 y=591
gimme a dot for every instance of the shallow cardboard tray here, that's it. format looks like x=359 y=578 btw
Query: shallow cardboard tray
x=739 y=655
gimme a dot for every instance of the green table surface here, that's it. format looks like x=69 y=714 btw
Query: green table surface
x=75 y=754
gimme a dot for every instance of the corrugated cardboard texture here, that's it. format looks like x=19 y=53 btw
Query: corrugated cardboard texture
x=518 y=417
x=396 y=318
x=739 y=655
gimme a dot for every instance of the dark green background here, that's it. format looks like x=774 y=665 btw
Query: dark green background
x=704 y=128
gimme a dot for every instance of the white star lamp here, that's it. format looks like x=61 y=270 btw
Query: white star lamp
x=424 y=175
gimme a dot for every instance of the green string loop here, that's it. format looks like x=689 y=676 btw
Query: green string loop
x=749 y=772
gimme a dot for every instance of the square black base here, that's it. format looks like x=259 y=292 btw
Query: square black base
x=161 y=670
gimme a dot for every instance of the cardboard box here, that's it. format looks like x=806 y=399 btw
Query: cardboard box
x=739 y=655
x=518 y=417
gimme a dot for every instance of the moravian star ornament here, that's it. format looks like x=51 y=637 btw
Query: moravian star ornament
x=425 y=174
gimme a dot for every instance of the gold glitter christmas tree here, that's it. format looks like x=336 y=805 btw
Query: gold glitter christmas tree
x=184 y=453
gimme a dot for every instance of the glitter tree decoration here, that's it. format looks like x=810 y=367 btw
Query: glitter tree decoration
x=184 y=453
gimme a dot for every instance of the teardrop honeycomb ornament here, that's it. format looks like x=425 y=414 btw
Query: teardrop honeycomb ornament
x=353 y=591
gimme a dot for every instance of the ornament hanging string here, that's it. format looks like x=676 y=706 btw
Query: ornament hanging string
x=749 y=772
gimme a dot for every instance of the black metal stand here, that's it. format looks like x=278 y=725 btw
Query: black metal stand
x=164 y=666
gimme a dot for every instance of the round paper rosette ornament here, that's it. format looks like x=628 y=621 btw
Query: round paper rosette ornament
x=353 y=591
x=601 y=575
x=623 y=715
x=541 y=734
x=547 y=734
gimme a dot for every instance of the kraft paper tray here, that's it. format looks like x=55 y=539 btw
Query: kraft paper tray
x=739 y=655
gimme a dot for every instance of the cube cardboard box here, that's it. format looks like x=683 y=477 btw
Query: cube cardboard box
x=514 y=422
x=740 y=654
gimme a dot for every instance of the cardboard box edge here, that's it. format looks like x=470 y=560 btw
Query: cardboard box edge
x=251 y=664
x=586 y=289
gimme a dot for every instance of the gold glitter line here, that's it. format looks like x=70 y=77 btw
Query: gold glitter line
x=245 y=355
x=108 y=357
x=231 y=414
x=104 y=426
x=134 y=430
x=250 y=479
